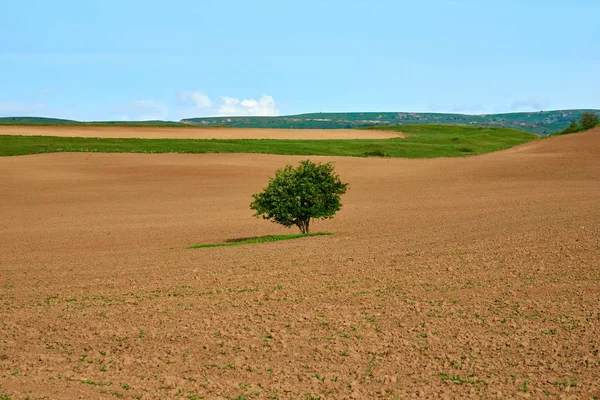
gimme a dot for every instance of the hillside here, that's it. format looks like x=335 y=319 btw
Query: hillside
x=541 y=123
x=36 y=121
x=57 y=121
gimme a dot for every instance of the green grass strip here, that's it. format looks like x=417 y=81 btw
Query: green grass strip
x=425 y=141
x=261 y=239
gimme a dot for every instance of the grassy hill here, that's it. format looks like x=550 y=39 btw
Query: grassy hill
x=36 y=121
x=541 y=123
x=57 y=121
x=424 y=141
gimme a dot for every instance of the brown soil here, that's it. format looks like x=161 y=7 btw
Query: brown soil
x=195 y=132
x=453 y=278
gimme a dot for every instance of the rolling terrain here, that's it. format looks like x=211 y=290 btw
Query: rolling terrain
x=541 y=123
x=407 y=141
x=448 y=277
x=41 y=121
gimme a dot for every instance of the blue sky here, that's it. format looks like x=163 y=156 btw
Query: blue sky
x=132 y=60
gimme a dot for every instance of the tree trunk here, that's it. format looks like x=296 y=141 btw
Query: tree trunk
x=303 y=224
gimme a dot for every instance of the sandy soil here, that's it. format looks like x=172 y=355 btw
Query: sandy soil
x=194 y=133
x=452 y=278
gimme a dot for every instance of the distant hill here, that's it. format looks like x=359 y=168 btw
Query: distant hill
x=542 y=123
x=56 y=121
x=36 y=121
x=156 y=123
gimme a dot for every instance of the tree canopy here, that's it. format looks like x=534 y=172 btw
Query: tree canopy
x=297 y=195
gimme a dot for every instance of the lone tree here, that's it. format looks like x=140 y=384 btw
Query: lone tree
x=297 y=195
x=588 y=120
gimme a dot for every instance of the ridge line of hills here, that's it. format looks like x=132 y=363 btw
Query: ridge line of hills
x=541 y=123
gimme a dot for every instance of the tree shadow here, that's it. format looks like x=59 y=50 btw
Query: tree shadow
x=243 y=239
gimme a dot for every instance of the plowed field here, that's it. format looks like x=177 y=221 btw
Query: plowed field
x=194 y=132
x=453 y=278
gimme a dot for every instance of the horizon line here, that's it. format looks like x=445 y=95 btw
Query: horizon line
x=307 y=113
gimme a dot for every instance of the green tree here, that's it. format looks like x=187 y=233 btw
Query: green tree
x=588 y=120
x=297 y=195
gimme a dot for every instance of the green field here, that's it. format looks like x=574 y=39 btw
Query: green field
x=425 y=141
x=257 y=240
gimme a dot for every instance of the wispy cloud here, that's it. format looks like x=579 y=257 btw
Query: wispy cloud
x=531 y=103
x=142 y=110
x=231 y=106
x=196 y=99
x=196 y=104
x=191 y=104
x=14 y=108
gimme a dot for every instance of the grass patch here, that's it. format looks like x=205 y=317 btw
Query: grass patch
x=425 y=141
x=261 y=239
x=92 y=383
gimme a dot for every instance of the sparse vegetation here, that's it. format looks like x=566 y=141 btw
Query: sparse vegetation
x=413 y=296
x=573 y=127
x=586 y=122
x=262 y=239
x=295 y=196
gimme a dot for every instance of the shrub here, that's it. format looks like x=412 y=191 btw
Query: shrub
x=572 y=128
x=588 y=120
x=297 y=195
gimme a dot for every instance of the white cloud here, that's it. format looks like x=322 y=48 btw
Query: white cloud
x=531 y=103
x=197 y=99
x=193 y=104
x=142 y=110
x=231 y=106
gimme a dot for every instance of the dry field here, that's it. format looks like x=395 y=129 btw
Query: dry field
x=193 y=132
x=454 y=278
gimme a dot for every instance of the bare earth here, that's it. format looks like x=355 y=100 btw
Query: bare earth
x=453 y=278
x=194 y=133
